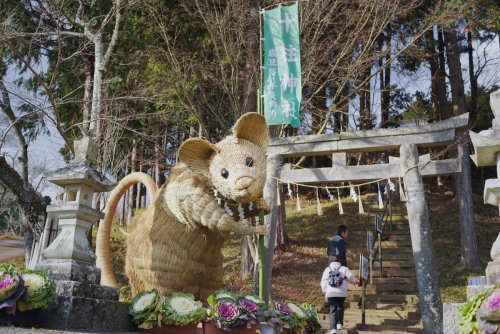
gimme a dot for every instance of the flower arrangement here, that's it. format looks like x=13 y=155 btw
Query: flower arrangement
x=41 y=290
x=481 y=314
x=488 y=314
x=149 y=309
x=312 y=319
x=286 y=317
x=181 y=309
x=24 y=290
x=145 y=309
x=227 y=311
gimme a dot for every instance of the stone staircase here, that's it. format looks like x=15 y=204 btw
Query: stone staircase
x=392 y=303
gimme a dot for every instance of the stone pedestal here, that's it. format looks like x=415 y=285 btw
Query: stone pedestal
x=493 y=273
x=76 y=314
x=77 y=279
x=82 y=304
x=450 y=318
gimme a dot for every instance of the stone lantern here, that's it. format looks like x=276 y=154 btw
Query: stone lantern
x=487 y=153
x=82 y=303
x=75 y=213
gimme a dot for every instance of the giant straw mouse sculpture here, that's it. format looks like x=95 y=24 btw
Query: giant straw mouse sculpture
x=175 y=245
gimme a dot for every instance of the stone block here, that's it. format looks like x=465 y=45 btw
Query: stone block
x=474 y=290
x=76 y=314
x=493 y=273
x=79 y=289
x=450 y=318
x=71 y=270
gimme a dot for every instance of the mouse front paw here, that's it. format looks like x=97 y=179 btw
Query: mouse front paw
x=260 y=229
x=262 y=204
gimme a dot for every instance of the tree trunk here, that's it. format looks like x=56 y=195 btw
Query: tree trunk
x=18 y=131
x=470 y=257
x=385 y=81
x=282 y=240
x=130 y=191
x=365 y=116
x=444 y=108
x=87 y=95
x=473 y=84
x=95 y=112
x=251 y=75
x=274 y=163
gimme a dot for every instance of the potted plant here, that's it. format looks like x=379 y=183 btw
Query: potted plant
x=41 y=290
x=11 y=289
x=145 y=309
x=175 y=314
x=488 y=313
x=313 y=325
x=473 y=313
x=23 y=291
x=229 y=313
x=284 y=317
x=181 y=313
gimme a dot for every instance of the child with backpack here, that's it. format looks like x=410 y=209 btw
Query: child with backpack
x=334 y=285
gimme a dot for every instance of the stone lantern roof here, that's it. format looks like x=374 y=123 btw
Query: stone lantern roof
x=81 y=170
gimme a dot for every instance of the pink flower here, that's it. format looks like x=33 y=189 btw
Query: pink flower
x=227 y=311
x=493 y=303
x=6 y=282
x=285 y=309
x=249 y=305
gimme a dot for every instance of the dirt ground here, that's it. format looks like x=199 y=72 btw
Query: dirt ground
x=11 y=247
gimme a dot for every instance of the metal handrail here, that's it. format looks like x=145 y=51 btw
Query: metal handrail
x=387 y=215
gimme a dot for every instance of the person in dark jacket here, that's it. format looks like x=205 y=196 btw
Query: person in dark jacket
x=336 y=245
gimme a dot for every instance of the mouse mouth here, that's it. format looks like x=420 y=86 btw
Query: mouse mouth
x=243 y=183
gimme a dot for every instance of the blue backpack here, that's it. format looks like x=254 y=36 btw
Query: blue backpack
x=335 y=277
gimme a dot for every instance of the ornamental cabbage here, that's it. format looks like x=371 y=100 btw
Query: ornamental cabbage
x=41 y=290
x=221 y=296
x=226 y=311
x=312 y=321
x=11 y=290
x=181 y=309
x=145 y=309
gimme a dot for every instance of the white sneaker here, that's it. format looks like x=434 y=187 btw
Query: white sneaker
x=339 y=326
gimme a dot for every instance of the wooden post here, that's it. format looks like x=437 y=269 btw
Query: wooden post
x=421 y=240
x=363 y=300
x=274 y=163
x=379 y=236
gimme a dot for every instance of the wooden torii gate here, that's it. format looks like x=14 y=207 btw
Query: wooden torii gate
x=406 y=139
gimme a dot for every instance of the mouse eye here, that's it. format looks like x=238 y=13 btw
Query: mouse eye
x=224 y=173
x=249 y=162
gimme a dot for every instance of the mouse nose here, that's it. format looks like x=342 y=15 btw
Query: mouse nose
x=244 y=182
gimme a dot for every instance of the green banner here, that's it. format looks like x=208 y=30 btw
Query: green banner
x=282 y=79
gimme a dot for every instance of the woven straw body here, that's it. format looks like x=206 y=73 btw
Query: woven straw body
x=175 y=245
x=169 y=255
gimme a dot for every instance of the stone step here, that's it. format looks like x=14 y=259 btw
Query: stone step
x=370 y=329
x=374 y=305
x=386 y=250
x=386 y=255
x=373 y=317
x=354 y=230
x=371 y=289
x=410 y=299
x=388 y=272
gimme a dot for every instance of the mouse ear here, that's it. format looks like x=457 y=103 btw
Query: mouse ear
x=252 y=126
x=196 y=153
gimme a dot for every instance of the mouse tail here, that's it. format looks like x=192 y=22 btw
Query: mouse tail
x=103 y=239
